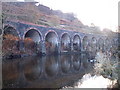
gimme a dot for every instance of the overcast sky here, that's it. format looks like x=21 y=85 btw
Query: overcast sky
x=103 y=13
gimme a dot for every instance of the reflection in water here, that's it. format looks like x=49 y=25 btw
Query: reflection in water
x=76 y=62
x=84 y=58
x=33 y=68
x=65 y=63
x=51 y=65
x=32 y=71
x=10 y=73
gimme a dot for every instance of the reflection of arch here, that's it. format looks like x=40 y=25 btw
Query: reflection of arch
x=51 y=66
x=100 y=44
x=76 y=62
x=33 y=34
x=85 y=42
x=11 y=72
x=65 y=42
x=33 y=68
x=76 y=43
x=84 y=58
x=65 y=63
x=51 y=42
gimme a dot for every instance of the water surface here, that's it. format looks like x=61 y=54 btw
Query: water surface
x=48 y=71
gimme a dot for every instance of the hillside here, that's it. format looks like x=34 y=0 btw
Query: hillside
x=43 y=15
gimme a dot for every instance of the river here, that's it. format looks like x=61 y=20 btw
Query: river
x=52 y=71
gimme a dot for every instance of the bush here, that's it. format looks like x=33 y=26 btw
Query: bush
x=10 y=44
x=30 y=46
x=106 y=66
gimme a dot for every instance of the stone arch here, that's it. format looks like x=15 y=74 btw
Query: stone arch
x=93 y=44
x=32 y=41
x=100 y=45
x=113 y=42
x=113 y=46
x=51 y=42
x=9 y=29
x=85 y=43
x=65 y=42
x=76 y=42
x=33 y=34
x=107 y=44
x=10 y=42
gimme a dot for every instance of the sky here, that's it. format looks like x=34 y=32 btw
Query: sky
x=102 y=13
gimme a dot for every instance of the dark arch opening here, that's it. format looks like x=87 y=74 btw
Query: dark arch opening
x=107 y=44
x=93 y=44
x=76 y=43
x=85 y=43
x=32 y=42
x=114 y=42
x=112 y=48
x=51 y=42
x=100 y=45
x=10 y=42
x=34 y=35
x=10 y=30
x=65 y=43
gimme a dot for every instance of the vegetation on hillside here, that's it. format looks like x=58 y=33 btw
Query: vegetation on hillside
x=43 y=15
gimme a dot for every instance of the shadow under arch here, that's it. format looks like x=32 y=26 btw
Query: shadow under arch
x=51 y=42
x=65 y=42
x=113 y=47
x=10 y=30
x=10 y=42
x=93 y=44
x=32 y=41
x=33 y=34
x=85 y=43
x=76 y=43
x=107 y=44
x=100 y=45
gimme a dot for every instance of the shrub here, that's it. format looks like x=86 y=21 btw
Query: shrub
x=106 y=66
x=10 y=44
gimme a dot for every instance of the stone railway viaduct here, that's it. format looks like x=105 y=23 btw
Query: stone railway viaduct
x=60 y=69
x=60 y=41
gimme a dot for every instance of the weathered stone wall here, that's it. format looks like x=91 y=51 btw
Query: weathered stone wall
x=41 y=32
